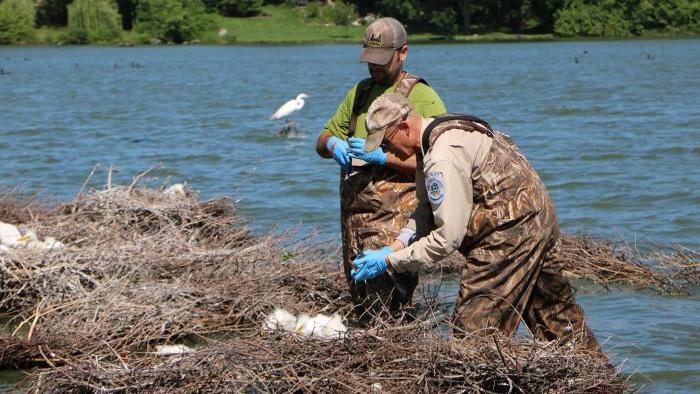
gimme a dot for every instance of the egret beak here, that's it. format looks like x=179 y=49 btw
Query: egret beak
x=23 y=238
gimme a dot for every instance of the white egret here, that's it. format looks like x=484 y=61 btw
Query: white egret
x=290 y=106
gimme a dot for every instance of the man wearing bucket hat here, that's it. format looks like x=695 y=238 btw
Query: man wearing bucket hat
x=479 y=195
x=377 y=187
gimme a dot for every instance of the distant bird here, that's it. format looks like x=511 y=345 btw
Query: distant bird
x=290 y=106
x=3 y=72
x=650 y=56
x=576 y=60
x=585 y=51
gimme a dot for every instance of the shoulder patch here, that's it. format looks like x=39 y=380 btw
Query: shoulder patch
x=435 y=187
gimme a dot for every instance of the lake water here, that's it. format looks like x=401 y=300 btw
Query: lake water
x=612 y=127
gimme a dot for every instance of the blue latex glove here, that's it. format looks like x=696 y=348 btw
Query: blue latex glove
x=370 y=264
x=377 y=156
x=339 y=149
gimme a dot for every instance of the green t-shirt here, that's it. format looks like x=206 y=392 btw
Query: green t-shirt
x=424 y=99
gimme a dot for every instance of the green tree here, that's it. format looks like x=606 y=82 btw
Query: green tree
x=52 y=12
x=127 y=9
x=599 y=20
x=342 y=14
x=16 y=21
x=239 y=7
x=92 y=21
x=445 y=22
x=409 y=12
x=465 y=11
x=172 y=20
x=544 y=11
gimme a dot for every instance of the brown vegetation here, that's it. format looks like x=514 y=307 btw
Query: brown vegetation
x=145 y=267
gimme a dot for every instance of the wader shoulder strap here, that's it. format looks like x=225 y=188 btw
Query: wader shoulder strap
x=464 y=122
x=361 y=96
x=407 y=82
x=404 y=86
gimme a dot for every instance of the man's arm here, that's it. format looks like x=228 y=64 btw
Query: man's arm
x=420 y=221
x=450 y=195
x=337 y=125
x=321 y=143
x=406 y=167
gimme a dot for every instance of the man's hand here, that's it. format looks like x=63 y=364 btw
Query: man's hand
x=376 y=156
x=339 y=149
x=370 y=264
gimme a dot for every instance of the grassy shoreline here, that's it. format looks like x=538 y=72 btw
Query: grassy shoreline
x=279 y=25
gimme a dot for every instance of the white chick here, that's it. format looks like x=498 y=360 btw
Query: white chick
x=8 y=234
x=334 y=327
x=51 y=243
x=305 y=325
x=321 y=326
x=280 y=319
x=29 y=240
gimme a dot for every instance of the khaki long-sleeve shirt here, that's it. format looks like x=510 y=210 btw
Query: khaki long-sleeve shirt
x=445 y=199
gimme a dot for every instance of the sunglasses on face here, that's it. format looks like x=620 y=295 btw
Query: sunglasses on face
x=390 y=133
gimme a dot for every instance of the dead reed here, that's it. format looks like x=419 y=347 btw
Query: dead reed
x=146 y=266
x=402 y=359
x=670 y=271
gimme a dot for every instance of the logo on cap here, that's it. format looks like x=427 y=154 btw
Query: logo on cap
x=375 y=40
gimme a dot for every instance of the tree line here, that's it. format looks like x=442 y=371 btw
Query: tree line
x=183 y=20
x=561 y=17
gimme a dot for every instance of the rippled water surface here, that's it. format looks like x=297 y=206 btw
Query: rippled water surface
x=612 y=127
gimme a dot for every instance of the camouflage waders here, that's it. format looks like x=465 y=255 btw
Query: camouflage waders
x=512 y=239
x=375 y=203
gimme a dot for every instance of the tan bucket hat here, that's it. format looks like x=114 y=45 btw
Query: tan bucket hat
x=382 y=38
x=385 y=111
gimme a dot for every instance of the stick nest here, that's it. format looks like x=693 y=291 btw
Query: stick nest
x=144 y=267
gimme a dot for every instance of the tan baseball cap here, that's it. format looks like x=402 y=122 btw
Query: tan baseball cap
x=385 y=111
x=382 y=38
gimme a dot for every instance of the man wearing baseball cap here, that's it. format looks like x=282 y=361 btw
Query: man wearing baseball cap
x=479 y=195
x=377 y=189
